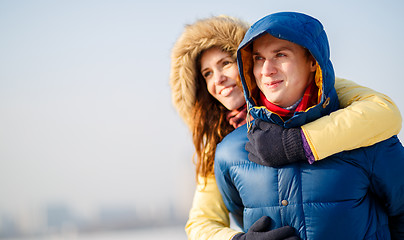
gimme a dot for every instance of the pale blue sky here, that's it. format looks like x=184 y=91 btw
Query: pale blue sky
x=86 y=114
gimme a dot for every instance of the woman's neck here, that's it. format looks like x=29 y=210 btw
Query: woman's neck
x=237 y=117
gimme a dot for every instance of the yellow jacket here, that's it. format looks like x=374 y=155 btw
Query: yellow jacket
x=365 y=118
x=368 y=117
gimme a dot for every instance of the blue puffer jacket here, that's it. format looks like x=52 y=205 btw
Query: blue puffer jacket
x=355 y=194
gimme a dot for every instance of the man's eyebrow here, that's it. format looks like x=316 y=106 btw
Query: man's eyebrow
x=283 y=49
x=274 y=51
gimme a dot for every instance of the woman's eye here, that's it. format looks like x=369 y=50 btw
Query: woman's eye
x=227 y=63
x=206 y=74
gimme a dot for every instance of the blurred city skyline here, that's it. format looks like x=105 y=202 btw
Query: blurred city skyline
x=62 y=219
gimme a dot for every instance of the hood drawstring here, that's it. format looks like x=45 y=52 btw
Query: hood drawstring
x=248 y=118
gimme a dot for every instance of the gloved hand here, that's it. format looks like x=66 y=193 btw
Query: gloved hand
x=260 y=231
x=274 y=146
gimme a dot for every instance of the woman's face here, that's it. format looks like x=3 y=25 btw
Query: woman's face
x=220 y=72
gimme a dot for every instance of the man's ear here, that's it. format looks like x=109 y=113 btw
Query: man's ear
x=313 y=64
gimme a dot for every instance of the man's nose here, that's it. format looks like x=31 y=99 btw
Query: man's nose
x=268 y=68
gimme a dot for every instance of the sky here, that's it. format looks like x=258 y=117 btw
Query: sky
x=85 y=108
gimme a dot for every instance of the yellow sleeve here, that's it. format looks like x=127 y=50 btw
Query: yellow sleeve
x=209 y=217
x=365 y=118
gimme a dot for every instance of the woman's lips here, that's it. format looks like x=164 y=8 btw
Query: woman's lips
x=226 y=91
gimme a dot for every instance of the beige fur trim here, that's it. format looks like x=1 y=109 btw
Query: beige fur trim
x=222 y=31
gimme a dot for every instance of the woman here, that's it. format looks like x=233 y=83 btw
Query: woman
x=203 y=79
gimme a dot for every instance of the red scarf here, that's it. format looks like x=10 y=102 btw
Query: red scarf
x=309 y=99
x=237 y=117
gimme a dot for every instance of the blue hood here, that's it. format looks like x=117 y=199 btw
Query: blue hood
x=305 y=31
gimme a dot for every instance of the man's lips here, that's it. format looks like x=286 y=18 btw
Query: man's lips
x=273 y=84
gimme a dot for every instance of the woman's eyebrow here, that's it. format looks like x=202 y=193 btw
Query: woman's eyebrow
x=217 y=62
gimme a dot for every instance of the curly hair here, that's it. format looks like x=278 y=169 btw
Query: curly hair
x=204 y=115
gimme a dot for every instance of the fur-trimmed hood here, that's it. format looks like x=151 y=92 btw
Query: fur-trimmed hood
x=221 y=31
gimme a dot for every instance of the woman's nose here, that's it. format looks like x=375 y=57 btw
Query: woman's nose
x=220 y=78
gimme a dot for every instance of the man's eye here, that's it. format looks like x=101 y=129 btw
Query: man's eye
x=280 y=55
x=257 y=58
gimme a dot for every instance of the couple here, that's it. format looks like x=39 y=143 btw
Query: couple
x=274 y=190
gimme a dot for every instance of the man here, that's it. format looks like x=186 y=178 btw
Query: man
x=288 y=80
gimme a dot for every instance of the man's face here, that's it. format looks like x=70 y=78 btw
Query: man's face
x=282 y=69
